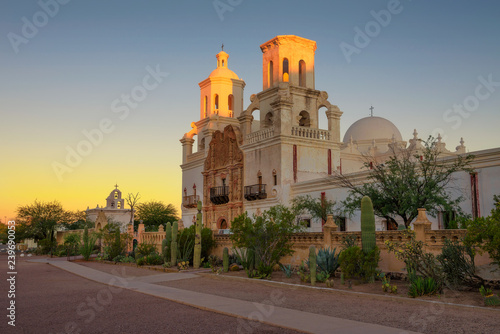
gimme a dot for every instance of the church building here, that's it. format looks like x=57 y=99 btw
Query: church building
x=243 y=164
x=114 y=211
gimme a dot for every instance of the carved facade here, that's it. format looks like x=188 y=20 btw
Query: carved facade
x=223 y=179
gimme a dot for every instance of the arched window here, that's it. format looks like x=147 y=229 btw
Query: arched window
x=222 y=62
x=270 y=74
x=304 y=120
x=268 y=122
x=285 y=70
x=116 y=194
x=216 y=103
x=230 y=100
x=275 y=177
x=302 y=73
x=205 y=106
x=119 y=205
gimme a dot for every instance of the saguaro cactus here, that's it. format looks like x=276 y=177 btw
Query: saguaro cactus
x=312 y=264
x=367 y=225
x=197 y=239
x=225 y=259
x=173 y=244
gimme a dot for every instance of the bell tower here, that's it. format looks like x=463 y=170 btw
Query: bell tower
x=222 y=92
x=288 y=59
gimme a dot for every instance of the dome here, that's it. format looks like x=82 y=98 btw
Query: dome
x=223 y=72
x=370 y=128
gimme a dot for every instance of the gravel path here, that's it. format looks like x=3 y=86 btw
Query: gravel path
x=406 y=314
x=50 y=300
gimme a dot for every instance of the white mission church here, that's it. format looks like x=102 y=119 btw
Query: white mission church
x=242 y=164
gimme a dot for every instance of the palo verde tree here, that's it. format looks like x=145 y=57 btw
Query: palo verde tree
x=406 y=181
x=154 y=213
x=39 y=220
x=318 y=207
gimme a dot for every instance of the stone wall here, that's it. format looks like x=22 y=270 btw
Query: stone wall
x=433 y=239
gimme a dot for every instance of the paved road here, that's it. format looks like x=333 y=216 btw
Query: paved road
x=51 y=300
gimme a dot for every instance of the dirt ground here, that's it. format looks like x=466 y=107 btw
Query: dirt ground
x=51 y=300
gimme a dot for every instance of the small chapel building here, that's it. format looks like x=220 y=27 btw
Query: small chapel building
x=114 y=211
x=244 y=164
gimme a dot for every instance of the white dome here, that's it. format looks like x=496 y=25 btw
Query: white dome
x=372 y=128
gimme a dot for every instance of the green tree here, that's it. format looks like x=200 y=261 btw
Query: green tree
x=483 y=233
x=77 y=220
x=154 y=213
x=267 y=236
x=39 y=220
x=406 y=181
x=318 y=207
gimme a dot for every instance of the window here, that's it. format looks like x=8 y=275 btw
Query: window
x=305 y=222
x=230 y=100
x=268 y=122
x=285 y=70
x=304 y=119
x=302 y=73
x=222 y=62
x=449 y=219
x=205 y=106
x=341 y=223
x=216 y=103
x=119 y=205
x=270 y=74
x=116 y=194
x=275 y=177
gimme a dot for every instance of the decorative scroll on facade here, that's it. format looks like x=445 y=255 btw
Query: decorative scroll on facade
x=223 y=179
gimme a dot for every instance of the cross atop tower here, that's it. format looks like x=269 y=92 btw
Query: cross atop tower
x=116 y=186
x=222 y=46
x=371 y=111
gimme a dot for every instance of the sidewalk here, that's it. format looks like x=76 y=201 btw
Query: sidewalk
x=269 y=314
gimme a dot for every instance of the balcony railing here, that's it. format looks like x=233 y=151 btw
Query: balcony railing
x=219 y=195
x=190 y=201
x=255 y=192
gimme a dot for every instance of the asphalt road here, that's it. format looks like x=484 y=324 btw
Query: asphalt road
x=50 y=300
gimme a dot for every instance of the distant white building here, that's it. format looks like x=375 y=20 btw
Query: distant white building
x=114 y=210
x=243 y=164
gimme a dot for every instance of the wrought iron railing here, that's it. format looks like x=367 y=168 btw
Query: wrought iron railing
x=190 y=201
x=255 y=192
x=219 y=195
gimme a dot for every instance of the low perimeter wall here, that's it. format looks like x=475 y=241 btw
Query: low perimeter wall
x=330 y=237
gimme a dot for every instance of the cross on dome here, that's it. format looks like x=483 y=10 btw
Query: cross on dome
x=371 y=110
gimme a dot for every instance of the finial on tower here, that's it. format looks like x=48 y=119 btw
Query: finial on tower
x=222 y=46
x=371 y=111
x=415 y=134
x=116 y=185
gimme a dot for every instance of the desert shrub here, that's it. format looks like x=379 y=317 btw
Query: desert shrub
x=483 y=233
x=144 y=249
x=267 y=237
x=423 y=264
x=457 y=263
x=72 y=243
x=355 y=263
x=114 y=242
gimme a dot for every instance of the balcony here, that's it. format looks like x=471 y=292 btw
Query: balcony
x=219 y=195
x=190 y=201
x=255 y=192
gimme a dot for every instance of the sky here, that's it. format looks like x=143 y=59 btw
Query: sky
x=97 y=93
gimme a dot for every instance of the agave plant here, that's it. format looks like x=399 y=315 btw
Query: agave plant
x=327 y=260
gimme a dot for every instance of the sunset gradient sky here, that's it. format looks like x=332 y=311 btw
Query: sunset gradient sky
x=71 y=74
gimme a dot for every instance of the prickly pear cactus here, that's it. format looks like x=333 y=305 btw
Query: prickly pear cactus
x=312 y=264
x=367 y=225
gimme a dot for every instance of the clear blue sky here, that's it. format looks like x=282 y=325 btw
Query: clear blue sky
x=66 y=76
